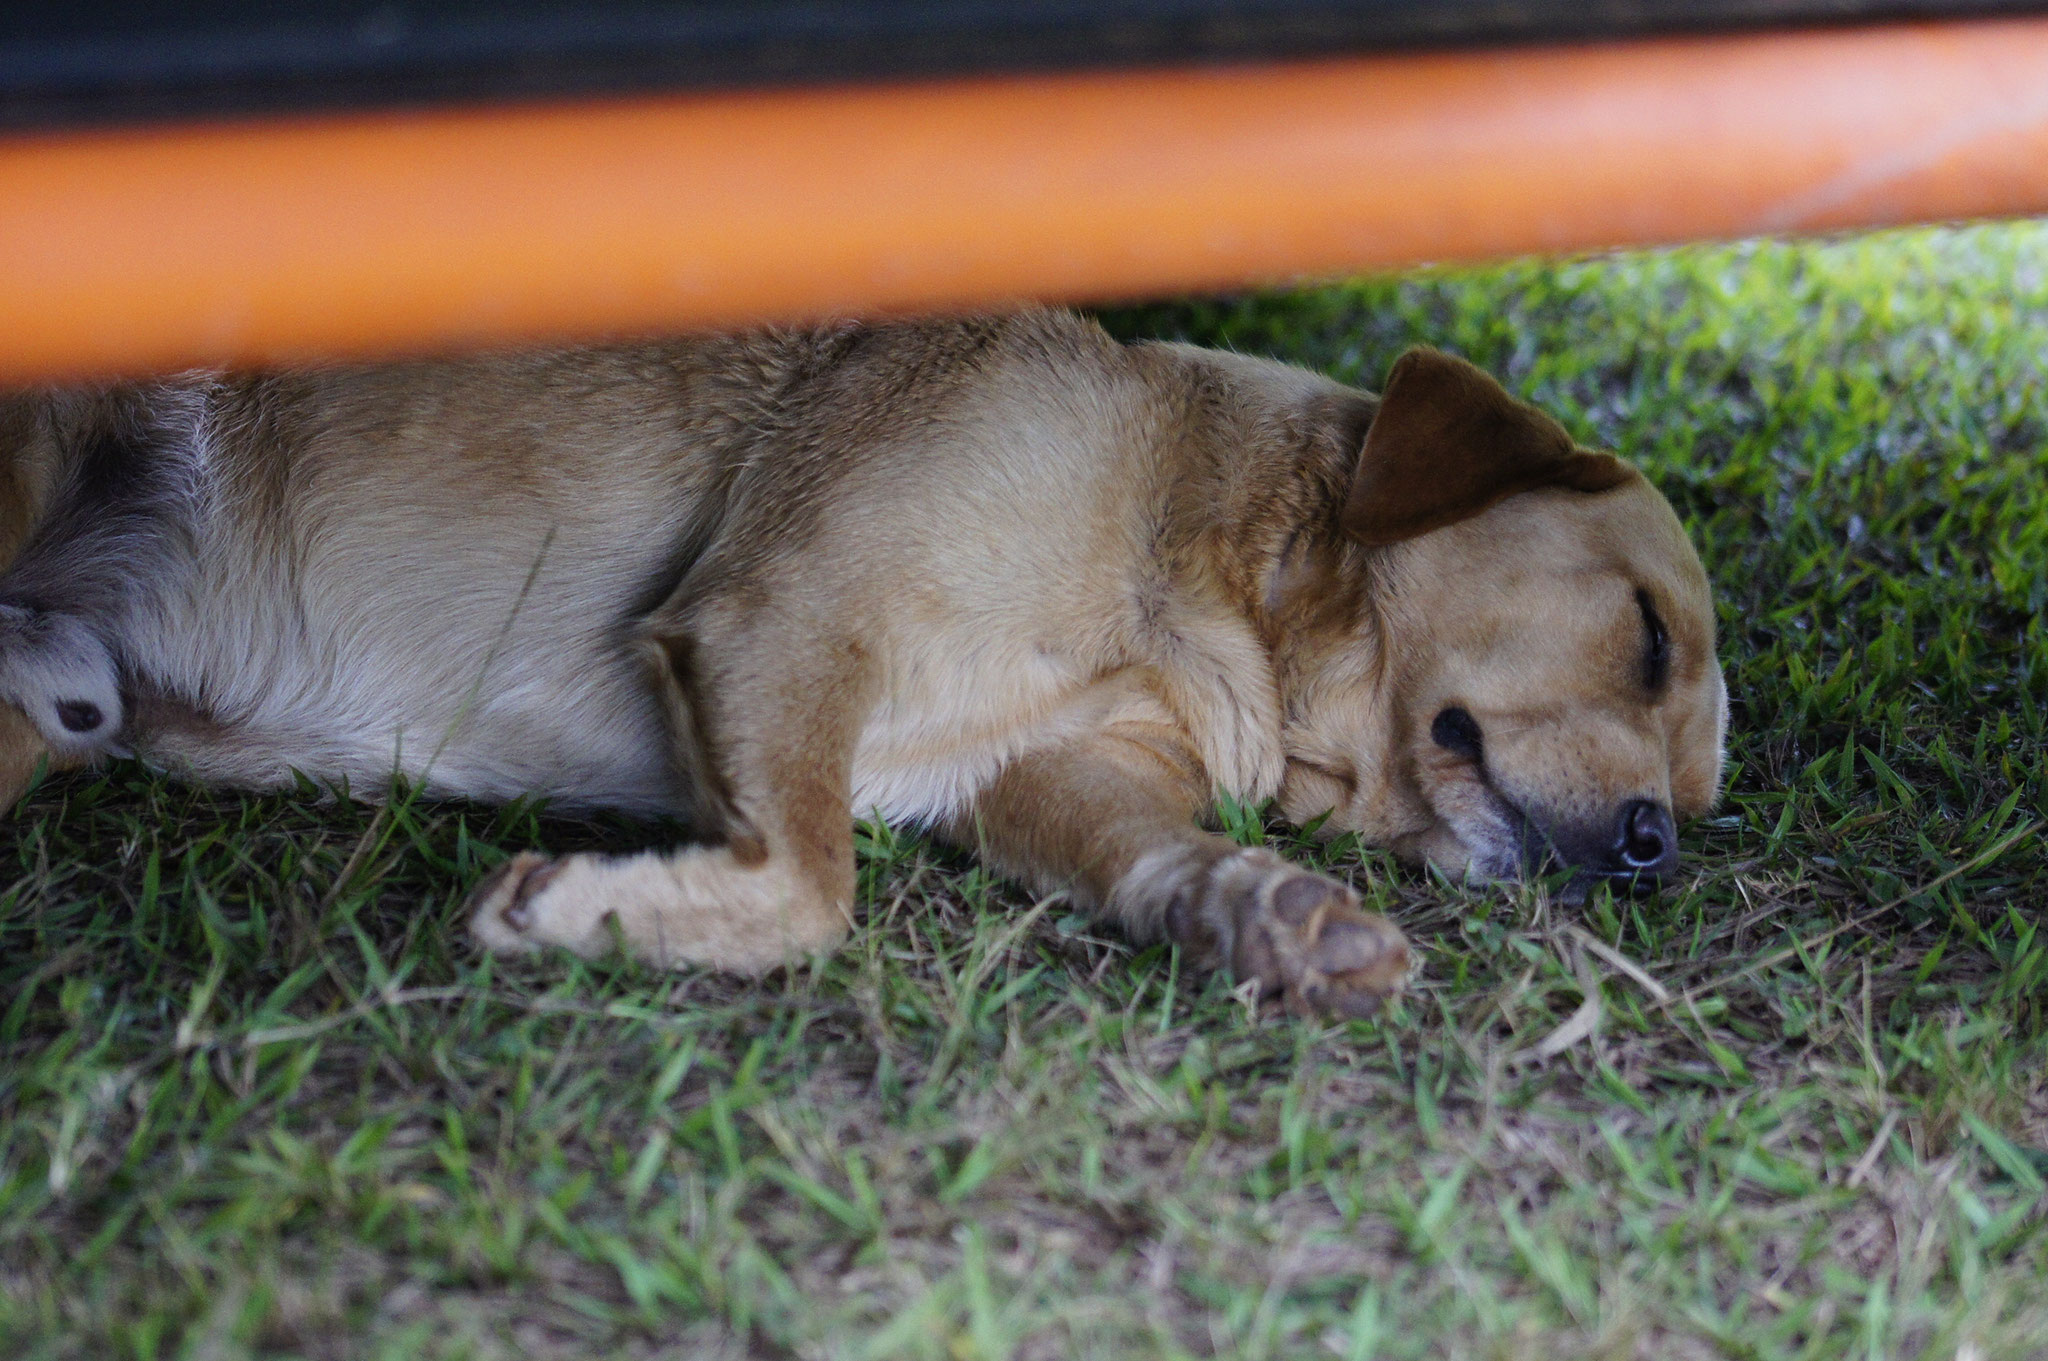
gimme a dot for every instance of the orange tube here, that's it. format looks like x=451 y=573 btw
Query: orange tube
x=156 y=248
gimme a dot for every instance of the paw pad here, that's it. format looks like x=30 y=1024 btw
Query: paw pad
x=1306 y=938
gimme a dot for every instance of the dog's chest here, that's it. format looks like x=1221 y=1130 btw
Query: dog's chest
x=956 y=709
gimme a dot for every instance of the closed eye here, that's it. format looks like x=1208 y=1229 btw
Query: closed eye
x=1656 y=647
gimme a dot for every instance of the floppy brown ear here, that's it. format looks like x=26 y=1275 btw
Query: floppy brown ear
x=1447 y=442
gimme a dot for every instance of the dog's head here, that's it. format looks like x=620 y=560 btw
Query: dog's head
x=1525 y=678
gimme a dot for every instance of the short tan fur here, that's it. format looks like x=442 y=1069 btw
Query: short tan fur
x=1002 y=577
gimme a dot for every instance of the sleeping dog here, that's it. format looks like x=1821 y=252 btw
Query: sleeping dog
x=1005 y=578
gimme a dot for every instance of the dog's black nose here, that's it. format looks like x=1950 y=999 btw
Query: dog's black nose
x=1645 y=841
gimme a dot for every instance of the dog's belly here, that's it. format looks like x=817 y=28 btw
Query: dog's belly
x=486 y=681
x=583 y=730
x=584 y=736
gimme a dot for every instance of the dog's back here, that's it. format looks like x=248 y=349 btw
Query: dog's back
x=440 y=568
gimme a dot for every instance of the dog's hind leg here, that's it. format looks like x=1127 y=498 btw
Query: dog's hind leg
x=119 y=519
x=57 y=669
x=764 y=714
x=1112 y=819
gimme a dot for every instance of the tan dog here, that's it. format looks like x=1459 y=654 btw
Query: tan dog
x=1007 y=579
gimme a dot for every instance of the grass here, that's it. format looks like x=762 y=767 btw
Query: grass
x=258 y=1096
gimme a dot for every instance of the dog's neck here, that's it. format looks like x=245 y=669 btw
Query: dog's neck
x=1258 y=492
x=1257 y=501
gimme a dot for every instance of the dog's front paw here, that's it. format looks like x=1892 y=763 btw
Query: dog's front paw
x=698 y=905
x=1306 y=938
x=503 y=914
x=1301 y=936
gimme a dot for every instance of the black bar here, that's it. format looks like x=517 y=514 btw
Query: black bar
x=104 y=61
